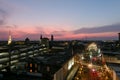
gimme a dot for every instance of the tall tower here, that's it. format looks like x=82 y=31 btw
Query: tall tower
x=40 y=36
x=9 y=38
x=119 y=36
x=52 y=38
x=51 y=42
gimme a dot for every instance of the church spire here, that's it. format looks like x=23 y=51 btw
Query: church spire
x=9 y=38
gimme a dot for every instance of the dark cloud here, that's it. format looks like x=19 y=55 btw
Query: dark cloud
x=58 y=33
x=40 y=30
x=5 y=12
x=102 y=38
x=100 y=29
x=13 y=26
x=3 y=15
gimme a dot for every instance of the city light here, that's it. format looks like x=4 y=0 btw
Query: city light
x=82 y=58
x=93 y=70
x=70 y=63
x=92 y=46
x=59 y=39
x=90 y=65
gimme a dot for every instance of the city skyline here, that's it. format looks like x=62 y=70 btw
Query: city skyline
x=65 y=19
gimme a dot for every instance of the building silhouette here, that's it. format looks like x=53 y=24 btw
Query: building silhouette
x=45 y=42
x=40 y=36
x=52 y=37
x=27 y=41
x=51 y=42
x=119 y=36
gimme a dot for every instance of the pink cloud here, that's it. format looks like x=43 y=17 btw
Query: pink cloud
x=100 y=36
x=20 y=33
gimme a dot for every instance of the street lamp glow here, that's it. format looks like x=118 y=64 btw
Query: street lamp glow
x=93 y=70
x=99 y=51
x=82 y=57
x=90 y=65
x=90 y=56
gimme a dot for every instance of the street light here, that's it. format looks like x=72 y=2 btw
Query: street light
x=82 y=58
x=90 y=65
x=93 y=70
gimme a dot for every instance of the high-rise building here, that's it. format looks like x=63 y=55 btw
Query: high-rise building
x=40 y=36
x=51 y=42
x=45 y=42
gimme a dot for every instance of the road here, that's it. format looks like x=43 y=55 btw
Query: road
x=93 y=73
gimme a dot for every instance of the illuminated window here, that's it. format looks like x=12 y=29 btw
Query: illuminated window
x=30 y=70
x=30 y=64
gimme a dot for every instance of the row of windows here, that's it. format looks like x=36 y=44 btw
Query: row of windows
x=15 y=55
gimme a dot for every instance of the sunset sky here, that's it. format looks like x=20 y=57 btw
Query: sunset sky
x=65 y=19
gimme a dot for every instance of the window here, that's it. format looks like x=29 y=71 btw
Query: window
x=30 y=64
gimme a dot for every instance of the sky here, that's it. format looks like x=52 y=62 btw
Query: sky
x=65 y=19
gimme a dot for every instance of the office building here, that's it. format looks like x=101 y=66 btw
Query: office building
x=119 y=37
